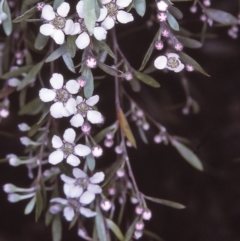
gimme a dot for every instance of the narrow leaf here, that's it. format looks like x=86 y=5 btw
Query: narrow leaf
x=188 y=155
x=140 y=6
x=130 y=231
x=147 y=79
x=68 y=61
x=105 y=47
x=101 y=135
x=7 y=23
x=152 y=235
x=100 y=225
x=189 y=43
x=16 y=72
x=125 y=127
x=57 y=53
x=109 y=70
x=29 y=13
x=28 y=209
x=172 y=22
x=39 y=204
x=56 y=229
x=57 y=3
x=90 y=15
x=40 y=41
x=71 y=46
x=142 y=135
x=175 y=12
x=116 y=230
x=134 y=82
x=165 y=202
x=89 y=86
x=32 y=108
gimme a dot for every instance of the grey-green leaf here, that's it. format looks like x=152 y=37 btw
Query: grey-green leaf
x=188 y=155
x=90 y=15
x=147 y=79
x=56 y=229
x=71 y=46
x=172 y=22
x=140 y=6
x=221 y=16
x=39 y=204
x=189 y=43
x=69 y=62
x=32 y=108
x=134 y=82
x=57 y=3
x=109 y=70
x=7 y=23
x=116 y=230
x=89 y=86
x=57 y=53
x=29 y=13
x=130 y=231
x=40 y=41
x=28 y=209
x=16 y=72
x=100 y=225
x=175 y=12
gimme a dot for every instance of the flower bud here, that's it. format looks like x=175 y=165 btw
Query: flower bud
x=106 y=205
x=91 y=62
x=86 y=127
x=97 y=151
x=118 y=149
x=139 y=225
x=128 y=76
x=137 y=234
x=162 y=6
x=108 y=143
x=82 y=81
x=4 y=113
x=147 y=214
x=157 y=139
x=159 y=45
x=23 y=127
x=139 y=210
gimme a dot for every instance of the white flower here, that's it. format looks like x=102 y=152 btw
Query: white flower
x=83 y=108
x=56 y=24
x=171 y=62
x=112 y=12
x=162 y=6
x=82 y=186
x=61 y=95
x=67 y=149
x=72 y=206
x=83 y=40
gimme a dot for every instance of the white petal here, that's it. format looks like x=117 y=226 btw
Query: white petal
x=72 y=191
x=100 y=33
x=124 y=17
x=103 y=14
x=123 y=3
x=56 y=110
x=59 y=200
x=73 y=160
x=72 y=86
x=78 y=173
x=79 y=100
x=87 y=197
x=76 y=29
x=82 y=150
x=71 y=106
x=80 y=9
x=108 y=23
x=179 y=68
x=94 y=117
x=92 y=100
x=68 y=213
x=48 y=13
x=65 y=112
x=56 y=81
x=105 y=1
x=160 y=62
x=88 y=213
x=63 y=9
x=67 y=179
x=69 y=135
x=82 y=40
x=94 y=188
x=55 y=157
x=162 y=6
x=69 y=27
x=58 y=36
x=56 y=142
x=97 y=177
x=173 y=55
x=47 y=95
x=46 y=29
x=77 y=120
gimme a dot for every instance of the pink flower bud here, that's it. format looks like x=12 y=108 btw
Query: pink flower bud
x=147 y=214
x=157 y=139
x=139 y=210
x=106 y=205
x=139 y=226
x=86 y=127
x=189 y=68
x=108 y=143
x=193 y=9
x=91 y=62
x=111 y=191
x=97 y=151
x=82 y=81
x=118 y=149
x=40 y=6
x=159 y=45
x=162 y=17
x=178 y=46
x=128 y=76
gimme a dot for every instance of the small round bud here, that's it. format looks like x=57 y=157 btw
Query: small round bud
x=19 y=61
x=55 y=209
x=108 y=143
x=128 y=143
x=139 y=225
x=128 y=76
x=138 y=210
x=185 y=110
x=82 y=81
x=13 y=197
x=178 y=46
x=25 y=141
x=137 y=234
x=157 y=139
x=14 y=161
x=159 y=45
x=9 y=188
x=146 y=126
x=140 y=113
x=207 y=3
x=147 y=214
x=120 y=173
x=193 y=9
x=189 y=68
x=162 y=17
x=23 y=127
x=139 y=123
x=4 y=113
x=118 y=149
x=91 y=62
x=19 y=55
x=134 y=200
x=162 y=6
x=133 y=117
x=86 y=127
x=13 y=82
x=203 y=18
x=111 y=191
x=40 y=6
x=165 y=33
x=109 y=135
x=97 y=151
x=106 y=205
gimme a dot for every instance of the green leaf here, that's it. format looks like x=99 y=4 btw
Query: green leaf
x=188 y=60
x=220 y=16
x=165 y=202
x=134 y=82
x=89 y=86
x=29 y=13
x=7 y=23
x=188 y=155
x=130 y=231
x=125 y=127
x=105 y=47
x=189 y=43
x=91 y=162
x=101 y=135
x=69 y=62
x=152 y=235
x=39 y=204
x=140 y=6
x=40 y=41
x=116 y=230
x=147 y=79
x=30 y=206
x=31 y=76
x=56 y=228
x=71 y=46
x=90 y=15
x=48 y=218
x=175 y=12
x=16 y=72
x=142 y=135
x=109 y=70
x=149 y=52
x=57 y=3
x=57 y=53
x=32 y=108
x=100 y=225
x=172 y=22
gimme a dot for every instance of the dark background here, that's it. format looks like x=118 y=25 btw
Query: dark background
x=213 y=196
